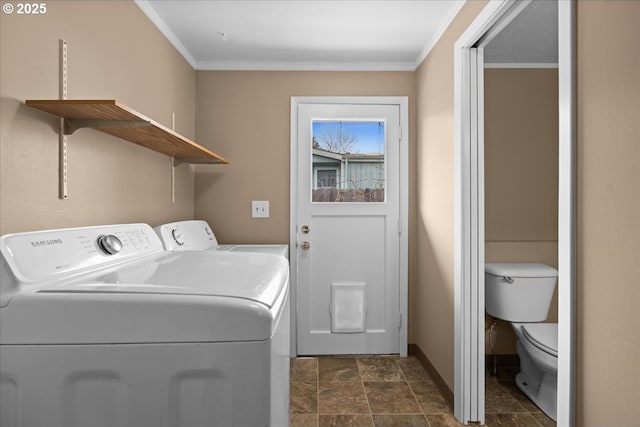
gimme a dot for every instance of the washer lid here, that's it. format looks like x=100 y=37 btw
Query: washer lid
x=178 y=297
x=524 y=269
x=543 y=335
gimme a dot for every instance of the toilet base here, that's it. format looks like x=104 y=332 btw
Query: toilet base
x=539 y=386
x=546 y=401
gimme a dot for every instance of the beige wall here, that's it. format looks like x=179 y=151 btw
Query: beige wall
x=608 y=206
x=608 y=209
x=521 y=174
x=245 y=116
x=521 y=154
x=115 y=52
x=434 y=293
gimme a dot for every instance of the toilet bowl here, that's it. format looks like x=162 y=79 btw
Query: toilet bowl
x=537 y=346
x=521 y=294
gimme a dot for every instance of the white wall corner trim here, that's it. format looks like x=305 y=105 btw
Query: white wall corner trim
x=566 y=215
x=147 y=9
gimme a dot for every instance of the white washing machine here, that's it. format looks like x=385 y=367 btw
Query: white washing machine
x=99 y=326
x=197 y=235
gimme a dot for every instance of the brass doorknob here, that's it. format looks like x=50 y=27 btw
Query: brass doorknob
x=305 y=246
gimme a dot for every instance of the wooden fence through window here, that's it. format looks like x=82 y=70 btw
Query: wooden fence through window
x=330 y=194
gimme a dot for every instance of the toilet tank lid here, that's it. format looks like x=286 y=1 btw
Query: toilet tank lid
x=523 y=269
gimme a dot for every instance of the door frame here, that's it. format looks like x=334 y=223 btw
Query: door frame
x=469 y=197
x=403 y=103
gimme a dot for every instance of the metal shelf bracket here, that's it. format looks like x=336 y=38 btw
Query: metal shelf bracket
x=177 y=161
x=72 y=125
x=63 y=159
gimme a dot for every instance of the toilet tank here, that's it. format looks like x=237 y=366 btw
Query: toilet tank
x=519 y=292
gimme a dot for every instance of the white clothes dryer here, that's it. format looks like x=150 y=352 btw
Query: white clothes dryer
x=197 y=235
x=99 y=326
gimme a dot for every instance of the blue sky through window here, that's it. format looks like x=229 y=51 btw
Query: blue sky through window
x=369 y=134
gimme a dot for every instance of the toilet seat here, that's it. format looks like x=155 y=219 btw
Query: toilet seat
x=542 y=335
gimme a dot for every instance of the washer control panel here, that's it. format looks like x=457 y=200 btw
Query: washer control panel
x=109 y=244
x=46 y=255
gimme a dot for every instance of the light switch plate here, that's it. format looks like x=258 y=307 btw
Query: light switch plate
x=260 y=209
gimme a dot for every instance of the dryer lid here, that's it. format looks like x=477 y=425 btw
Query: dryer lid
x=543 y=335
x=248 y=276
x=281 y=250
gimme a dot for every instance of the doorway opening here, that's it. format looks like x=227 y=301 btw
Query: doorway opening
x=470 y=55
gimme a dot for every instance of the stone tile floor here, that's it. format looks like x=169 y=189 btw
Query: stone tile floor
x=391 y=391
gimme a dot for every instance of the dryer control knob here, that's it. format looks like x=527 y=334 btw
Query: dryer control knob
x=178 y=237
x=109 y=244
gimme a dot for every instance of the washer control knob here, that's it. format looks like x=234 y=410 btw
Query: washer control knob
x=109 y=244
x=178 y=237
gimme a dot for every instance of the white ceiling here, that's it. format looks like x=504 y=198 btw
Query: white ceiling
x=531 y=38
x=302 y=34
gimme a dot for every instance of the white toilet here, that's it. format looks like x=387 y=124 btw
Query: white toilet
x=521 y=293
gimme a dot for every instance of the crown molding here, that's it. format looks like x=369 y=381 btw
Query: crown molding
x=147 y=9
x=302 y=66
x=434 y=40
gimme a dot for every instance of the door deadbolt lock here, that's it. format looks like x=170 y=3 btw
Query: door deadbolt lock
x=305 y=246
x=305 y=229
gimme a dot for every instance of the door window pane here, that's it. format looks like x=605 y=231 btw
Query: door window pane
x=348 y=161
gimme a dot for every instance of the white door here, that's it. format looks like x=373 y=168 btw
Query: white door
x=348 y=229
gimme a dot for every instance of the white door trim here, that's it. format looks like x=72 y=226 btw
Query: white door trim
x=468 y=277
x=403 y=103
x=566 y=215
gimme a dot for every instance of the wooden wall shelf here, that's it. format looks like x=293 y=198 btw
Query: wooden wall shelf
x=115 y=119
